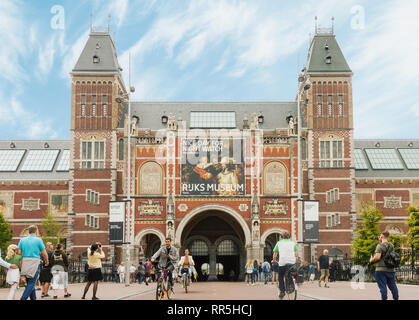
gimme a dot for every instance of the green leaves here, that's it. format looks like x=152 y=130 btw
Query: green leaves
x=5 y=235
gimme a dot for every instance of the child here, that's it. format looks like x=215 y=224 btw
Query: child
x=13 y=275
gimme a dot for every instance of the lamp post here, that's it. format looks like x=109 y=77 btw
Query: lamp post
x=299 y=196
x=120 y=99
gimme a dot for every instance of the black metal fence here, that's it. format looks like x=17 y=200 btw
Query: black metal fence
x=77 y=271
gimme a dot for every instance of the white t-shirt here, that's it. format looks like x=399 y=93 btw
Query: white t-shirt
x=286 y=250
x=121 y=269
x=132 y=269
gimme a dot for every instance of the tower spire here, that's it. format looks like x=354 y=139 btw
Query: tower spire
x=315 y=25
x=333 y=25
x=109 y=23
x=91 y=21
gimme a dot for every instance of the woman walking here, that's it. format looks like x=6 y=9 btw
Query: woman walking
x=249 y=271
x=94 y=273
x=255 y=272
x=13 y=275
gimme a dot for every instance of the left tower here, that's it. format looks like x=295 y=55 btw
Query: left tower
x=96 y=82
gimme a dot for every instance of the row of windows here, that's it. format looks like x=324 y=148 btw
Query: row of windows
x=92 y=221
x=94 y=105
x=331 y=154
x=332 y=220
x=330 y=112
x=92 y=196
x=332 y=195
x=93 y=154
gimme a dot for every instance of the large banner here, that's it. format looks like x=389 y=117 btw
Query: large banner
x=212 y=167
x=116 y=221
x=311 y=221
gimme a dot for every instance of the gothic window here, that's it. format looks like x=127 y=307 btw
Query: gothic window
x=199 y=248
x=274 y=178
x=104 y=105
x=94 y=105
x=150 y=180
x=319 y=105
x=93 y=154
x=340 y=106
x=303 y=149
x=83 y=105
x=121 y=149
x=331 y=154
x=227 y=248
x=329 y=106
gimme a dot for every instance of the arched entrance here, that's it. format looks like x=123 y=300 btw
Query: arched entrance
x=148 y=241
x=270 y=239
x=226 y=234
x=199 y=249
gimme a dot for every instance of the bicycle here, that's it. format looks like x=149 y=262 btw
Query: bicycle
x=290 y=282
x=164 y=287
x=185 y=278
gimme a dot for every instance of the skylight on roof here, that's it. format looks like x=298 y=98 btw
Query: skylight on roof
x=410 y=157
x=386 y=159
x=360 y=161
x=207 y=119
x=10 y=159
x=64 y=164
x=40 y=160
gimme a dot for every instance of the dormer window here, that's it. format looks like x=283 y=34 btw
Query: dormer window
x=328 y=60
x=96 y=59
x=97 y=46
x=326 y=47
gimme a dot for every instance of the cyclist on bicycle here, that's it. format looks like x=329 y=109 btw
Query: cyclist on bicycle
x=186 y=263
x=168 y=257
x=287 y=250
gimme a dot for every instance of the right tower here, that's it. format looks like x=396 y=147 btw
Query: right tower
x=329 y=173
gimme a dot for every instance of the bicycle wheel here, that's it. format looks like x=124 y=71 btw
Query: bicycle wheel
x=159 y=291
x=290 y=289
x=170 y=292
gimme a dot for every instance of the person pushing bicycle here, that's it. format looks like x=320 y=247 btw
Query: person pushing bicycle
x=168 y=257
x=287 y=250
x=186 y=262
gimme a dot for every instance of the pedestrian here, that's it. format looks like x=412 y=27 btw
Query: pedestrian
x=141 y=273
x=153 y=273
x=45 y=275
x=275 y=269
x=94 y=273
x=260 y=269
x=13 y=275
x=132 y=270
x=288 y=255
x=30 y=248
x=385 y=275
x=147 y=270
x=266 y=268
x=249 y=271
x=311 y=271
x=323 y=266
x=59 y=270
x=255 y=272
x=121 y=272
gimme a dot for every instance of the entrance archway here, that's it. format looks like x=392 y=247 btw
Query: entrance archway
x=270 y=238
x=147 y=241
x=213 y=225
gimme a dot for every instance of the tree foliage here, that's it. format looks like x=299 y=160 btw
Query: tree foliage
x=51 y=228
x=5 y=235
x=413 y=234
x=363 y=246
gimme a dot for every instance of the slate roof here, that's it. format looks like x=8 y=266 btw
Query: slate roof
x=150 y=113
x=99 y=44
x=52 y=175
x=386 y=144
x=316 y=61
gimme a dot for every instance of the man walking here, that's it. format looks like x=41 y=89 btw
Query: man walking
x=323 y=266
x=30 y=248
x=45 y=275
x=385 y=276
x=287 y=250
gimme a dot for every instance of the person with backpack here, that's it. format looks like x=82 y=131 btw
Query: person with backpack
x=45 y=275
x=147 y=269
x=266 y=267
x=59 y=270
x=386 y=260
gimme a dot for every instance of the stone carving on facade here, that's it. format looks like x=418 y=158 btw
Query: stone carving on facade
x=245 y=121
x=255 y=206
x=170 y=207
x=30 y=204
x=393 y=202
x=151 y=179
x=6 y=204
x=171 y=122
x=256 y=231
x=275 y=207
x=170 y=230
x=243 y=207
x=134 y=129
x=183 y=207
x=254 y=124
x=150 y=208
x=274 y=178
x=291 y=126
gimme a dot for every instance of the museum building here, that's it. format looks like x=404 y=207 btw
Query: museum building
x=219 y=178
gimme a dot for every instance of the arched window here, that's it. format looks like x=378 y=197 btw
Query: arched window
x=199 y=248
x=150 y=180
x=303 y=149
x=121 y=149
x=274 y=178
x=227 y=248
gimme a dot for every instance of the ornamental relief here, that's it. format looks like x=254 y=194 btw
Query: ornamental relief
x=275 y=207
x=274 y=178
x=6 y=204
x=393 y=202
x=30 y=204
x=150 y=179
x=331 y=136
x=150 y=208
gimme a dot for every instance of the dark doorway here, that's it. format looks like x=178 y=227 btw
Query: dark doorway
x=228 y=261
x=200 y=253
x=270 y=244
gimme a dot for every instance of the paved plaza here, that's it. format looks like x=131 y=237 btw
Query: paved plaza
x=231 y=291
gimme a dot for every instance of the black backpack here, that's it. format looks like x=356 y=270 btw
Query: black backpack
x=391 y=258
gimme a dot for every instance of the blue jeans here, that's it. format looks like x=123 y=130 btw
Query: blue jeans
x=30 y=286
x=255 y=276
x=385 y=279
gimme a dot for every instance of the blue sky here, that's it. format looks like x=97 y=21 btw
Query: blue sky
x=209 y=51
